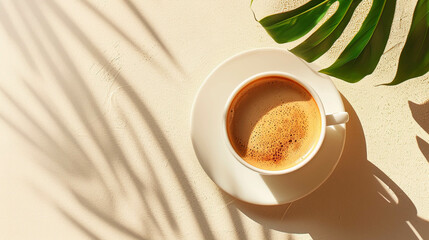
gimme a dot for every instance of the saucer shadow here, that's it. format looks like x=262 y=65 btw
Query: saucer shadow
x=358 y=201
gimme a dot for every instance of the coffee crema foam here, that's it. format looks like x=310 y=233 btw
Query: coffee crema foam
x=273 y=123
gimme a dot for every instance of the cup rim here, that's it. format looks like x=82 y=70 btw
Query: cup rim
x=307 y=87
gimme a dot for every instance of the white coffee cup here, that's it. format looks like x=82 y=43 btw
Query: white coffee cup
x=326 y=120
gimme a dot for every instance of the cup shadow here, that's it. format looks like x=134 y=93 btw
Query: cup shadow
x=358 y=201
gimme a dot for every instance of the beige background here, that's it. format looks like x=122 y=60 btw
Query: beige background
x=95 y=101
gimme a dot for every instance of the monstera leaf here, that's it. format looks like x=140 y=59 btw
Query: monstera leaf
x=414 y=60
x=364 y=51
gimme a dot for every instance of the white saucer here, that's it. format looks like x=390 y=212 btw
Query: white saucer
x=220 y=164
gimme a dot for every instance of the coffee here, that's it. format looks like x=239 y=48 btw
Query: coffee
x=273 y=123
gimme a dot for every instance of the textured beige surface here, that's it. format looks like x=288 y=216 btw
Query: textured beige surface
x=95 y=101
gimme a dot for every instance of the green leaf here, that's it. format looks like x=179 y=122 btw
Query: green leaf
x=363 y=53
x=414 y=60
x=323 y=39
x=289 y=26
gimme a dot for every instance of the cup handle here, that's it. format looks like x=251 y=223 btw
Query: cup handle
x=337 y=118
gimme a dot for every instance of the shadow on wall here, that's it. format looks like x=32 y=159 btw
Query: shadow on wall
x=357 y=202
x=420 y=113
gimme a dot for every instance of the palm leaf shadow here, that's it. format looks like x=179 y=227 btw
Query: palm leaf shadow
x=10 y=29
x=159 y=192
x=240 y=232
x=145 y=24
x=106 y=129
x=65 y=85
x=424 y=147
x=56 y=149
x=420 y=113
x=97 y=138
x=59 y=169
x=146 y=116
x=86 y=108
x=79 y=224
x=123 y=34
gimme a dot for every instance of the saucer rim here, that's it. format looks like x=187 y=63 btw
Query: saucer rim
x=192 y=126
